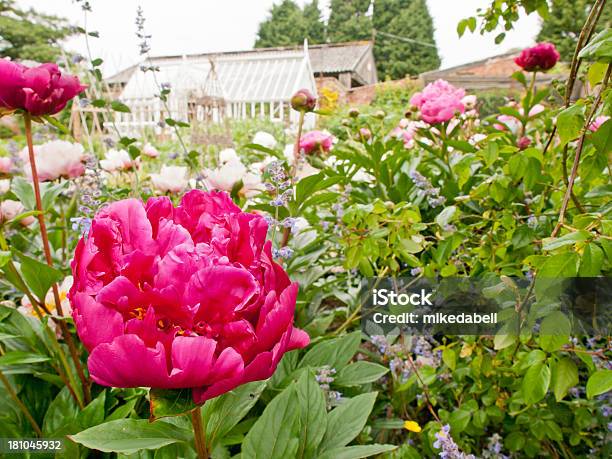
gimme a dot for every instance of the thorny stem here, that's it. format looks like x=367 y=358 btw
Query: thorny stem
x=199 y=434
x=574 y=173
x=22 y=407
x=47 y=250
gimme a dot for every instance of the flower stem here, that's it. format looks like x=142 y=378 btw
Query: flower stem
x=294 y=168
x=199 y=434
x=22 y=407
x=47 y=250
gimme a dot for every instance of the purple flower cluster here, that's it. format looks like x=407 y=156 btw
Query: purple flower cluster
x=432 y=193
x=494 y=448
x=325 y=376
x=449 y=448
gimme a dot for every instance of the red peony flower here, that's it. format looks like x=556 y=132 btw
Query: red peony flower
x=41 y=90
x=182 y=297
x=540 y=57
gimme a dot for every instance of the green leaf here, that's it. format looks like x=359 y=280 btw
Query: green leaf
x=119 y=106
x=5 y=256
x=275 y=434
x=602 y=138
x=334 y=352
x=129 y=436
x=222 y=413
x=596 y=73
x=39 y=276
x=346 y=421
x=599 y=48
x=535 y=383
x=359 y=373
x=564 y=377
x=446 y=216
x=170 y=402
x=459 y=420
x=450 y=358
x=515 y=441
x=553 y=243
x=570 y=122
x=554 y=331
x=21 y=358
x=356 y=452
x=57 y=124
x=600 y=382
x=62 y=412
x=92 y=414
x=313 y=416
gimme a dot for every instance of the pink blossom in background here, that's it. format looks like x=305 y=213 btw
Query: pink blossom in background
x=540 y=57
x=150 y=151
x=118 y=160
x=439 y=102
x=597 y=122
x=9 y=209
x=40 y=90
x=171 y=179
x=55 y=159
x=316 y=141
x=189 y=296
x=6 y=164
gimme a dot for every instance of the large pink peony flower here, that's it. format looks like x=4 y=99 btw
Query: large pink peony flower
x=316 y=141
x=540 y=57
x=184 y=297
x=41 y=90
x=55 y=159
x=439 y=102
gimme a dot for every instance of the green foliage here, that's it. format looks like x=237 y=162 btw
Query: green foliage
x=348 y=21
x=563 y=24
x=290 y=25
x=27 y=34
x=404 y=19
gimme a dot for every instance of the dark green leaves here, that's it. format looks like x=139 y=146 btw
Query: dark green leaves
x=359 y=373
x=128 y=436
x=167 y=402
x=39 y=276
x=334 y=352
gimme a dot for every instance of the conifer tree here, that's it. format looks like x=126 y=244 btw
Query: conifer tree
x=349 y=21
x=285 y=26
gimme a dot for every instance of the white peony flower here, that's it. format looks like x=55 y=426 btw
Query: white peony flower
x=229 y=154
x=5 y=185
x=171 y=178
x=264 y=139
x=116 y=160
x=226 y=175
x=55 y=159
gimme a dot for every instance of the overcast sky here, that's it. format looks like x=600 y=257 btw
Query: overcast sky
x=196 y=26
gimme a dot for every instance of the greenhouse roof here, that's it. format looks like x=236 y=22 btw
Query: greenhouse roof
x=261 y=75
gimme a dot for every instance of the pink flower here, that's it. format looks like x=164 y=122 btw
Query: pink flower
x=150 y=151
x=182 y=297
x=41 y=90
x=597 y=122
x=439 y=102
x=523 y=142
x=6 y=164
x=10 y=209
x=303 y=101
x=365 y=133
x=55 y=159
x=540 y=57
x=316 y=141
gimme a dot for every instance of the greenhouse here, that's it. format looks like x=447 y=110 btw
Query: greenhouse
x=207 y=87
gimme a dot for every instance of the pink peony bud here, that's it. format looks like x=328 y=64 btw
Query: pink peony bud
x=303 y=101
x=41 y=90
x=540 y=57
x=523 y=143
x=597 y=122
x=182 y=297
x=365 y=133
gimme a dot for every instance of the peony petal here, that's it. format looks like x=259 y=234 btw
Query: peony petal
x=95 y=323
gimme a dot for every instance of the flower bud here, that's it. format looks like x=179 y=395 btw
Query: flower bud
x=380 y=114
x=353 y=112
x=303 y=101
x=523 y=143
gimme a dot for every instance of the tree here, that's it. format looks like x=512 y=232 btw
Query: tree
x=286 y=26
x=404 y=20
x=349 y=21
x=315 y=27
x=564 y=22
x=27 y=34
